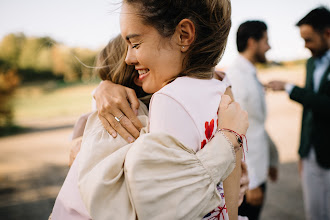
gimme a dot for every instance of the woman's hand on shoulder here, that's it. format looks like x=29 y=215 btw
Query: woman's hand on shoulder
x=117 y=109
x=231 y=116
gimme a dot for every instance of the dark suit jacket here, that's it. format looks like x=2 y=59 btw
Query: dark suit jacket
x=316 y=116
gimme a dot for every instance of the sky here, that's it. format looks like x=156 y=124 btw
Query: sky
x=92 y=23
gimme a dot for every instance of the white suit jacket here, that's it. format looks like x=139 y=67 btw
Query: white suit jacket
x=249 y=93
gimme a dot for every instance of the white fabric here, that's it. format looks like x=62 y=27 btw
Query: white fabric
x=184 y=130
x=187 y=110
x=68 y=204
x=289 y=87
x=184 y=106
x=316 y=188
x=249 y=93
x=156 y=177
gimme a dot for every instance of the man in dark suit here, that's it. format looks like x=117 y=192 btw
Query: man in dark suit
x=314 y=147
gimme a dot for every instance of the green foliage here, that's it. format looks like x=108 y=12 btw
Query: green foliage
x=42 y=58
x=10 y=48
x=9 y=80
x=35 y=59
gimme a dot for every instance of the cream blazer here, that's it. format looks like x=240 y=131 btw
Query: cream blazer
x=156 y=177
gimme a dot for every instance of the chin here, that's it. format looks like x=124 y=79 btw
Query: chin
x=148 y=89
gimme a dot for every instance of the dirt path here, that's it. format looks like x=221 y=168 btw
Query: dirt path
x=33 y=165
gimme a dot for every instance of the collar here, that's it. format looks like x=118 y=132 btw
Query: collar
x=246 y=64
x=324 y=59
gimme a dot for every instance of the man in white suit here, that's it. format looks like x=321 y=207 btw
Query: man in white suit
x=262 y=158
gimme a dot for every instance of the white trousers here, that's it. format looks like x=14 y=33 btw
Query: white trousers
x=316 y=189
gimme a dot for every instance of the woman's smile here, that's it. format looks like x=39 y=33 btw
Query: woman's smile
x=143 y=73
x=157 y=59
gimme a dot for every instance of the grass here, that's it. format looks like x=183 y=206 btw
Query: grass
x=48 y=100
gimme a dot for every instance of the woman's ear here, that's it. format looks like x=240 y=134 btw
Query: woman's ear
x=186 y=34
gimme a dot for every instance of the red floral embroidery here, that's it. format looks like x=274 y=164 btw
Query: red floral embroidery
x=203 y=143
x=209 y=127
x=220 y=213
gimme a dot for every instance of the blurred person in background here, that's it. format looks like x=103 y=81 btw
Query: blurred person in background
x=262 y=159
x=314 y=150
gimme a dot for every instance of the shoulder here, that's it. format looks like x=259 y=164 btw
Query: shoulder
x=187 y=89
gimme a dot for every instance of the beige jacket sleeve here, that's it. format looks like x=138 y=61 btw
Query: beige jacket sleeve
x=156 y=177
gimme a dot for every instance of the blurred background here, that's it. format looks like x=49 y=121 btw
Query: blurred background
x=47 y=51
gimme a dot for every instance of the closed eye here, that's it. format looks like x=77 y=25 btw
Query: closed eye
x=135 y=46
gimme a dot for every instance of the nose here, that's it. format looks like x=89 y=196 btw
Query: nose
x=130 y=57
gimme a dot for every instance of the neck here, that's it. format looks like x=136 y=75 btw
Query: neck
x=249 y=56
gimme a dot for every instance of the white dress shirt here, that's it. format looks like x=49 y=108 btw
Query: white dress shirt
x=249 y=93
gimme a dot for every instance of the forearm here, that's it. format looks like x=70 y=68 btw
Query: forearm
x=317 y=102
x=231 y=187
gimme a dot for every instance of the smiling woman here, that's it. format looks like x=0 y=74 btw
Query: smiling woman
x=149 y=52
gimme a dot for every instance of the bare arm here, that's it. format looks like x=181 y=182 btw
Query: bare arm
x=232 y=184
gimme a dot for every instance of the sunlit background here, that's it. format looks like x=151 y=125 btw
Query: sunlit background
x=46 y=84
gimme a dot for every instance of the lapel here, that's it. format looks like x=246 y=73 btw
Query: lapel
x=309 y=76
x=324 y=78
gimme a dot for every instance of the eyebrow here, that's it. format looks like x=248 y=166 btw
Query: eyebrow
x=128 y=37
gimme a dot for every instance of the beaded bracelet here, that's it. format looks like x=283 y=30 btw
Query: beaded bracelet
x=240 y=138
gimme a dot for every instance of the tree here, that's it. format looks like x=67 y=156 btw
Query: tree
x=10 y=48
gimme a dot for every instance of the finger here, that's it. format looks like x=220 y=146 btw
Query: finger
x=134 y=123
x=132 y=98
x=225 y=101
x=117 y=126
x=244 y=167
x=107 y=126
x=127 y=124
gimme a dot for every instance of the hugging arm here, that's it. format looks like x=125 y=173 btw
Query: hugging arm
x=115 y=100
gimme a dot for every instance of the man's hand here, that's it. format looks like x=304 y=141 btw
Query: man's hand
x=244 y=183
x=254 y=196
x=273 y=173
x=276 y=85
x=114 y=100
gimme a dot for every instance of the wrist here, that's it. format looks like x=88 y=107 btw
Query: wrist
x=232 y=138
x=235 y=138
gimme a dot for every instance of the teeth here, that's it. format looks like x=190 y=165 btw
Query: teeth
x=141 y=72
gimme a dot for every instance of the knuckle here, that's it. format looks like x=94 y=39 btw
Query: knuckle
x=105 y=108
x=125 y=122
x=116 y=125
x=117 y=101
x=129 y=90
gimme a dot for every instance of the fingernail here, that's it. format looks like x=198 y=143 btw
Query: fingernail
x=114 y=134
x=136 y=111
x=130 y=140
